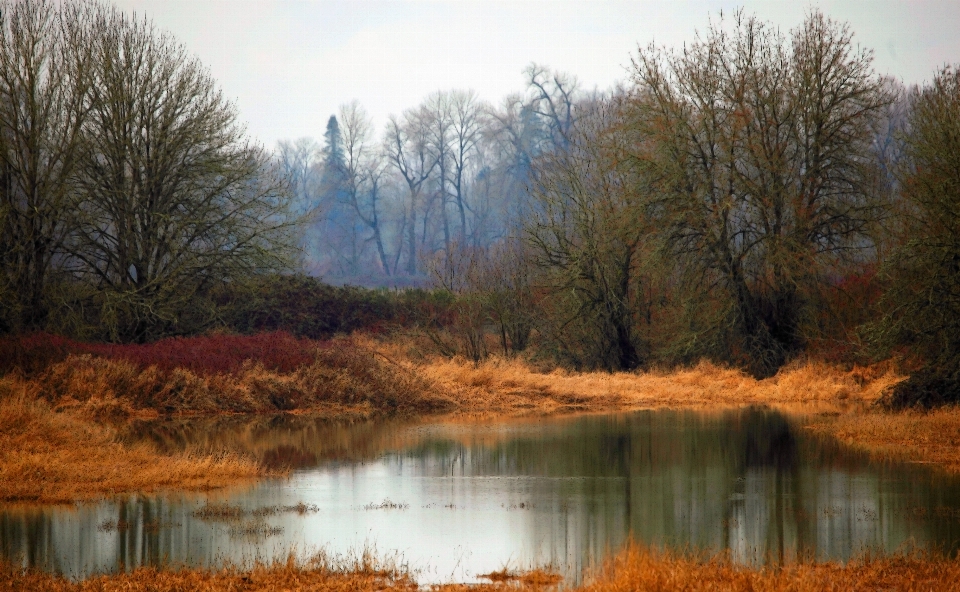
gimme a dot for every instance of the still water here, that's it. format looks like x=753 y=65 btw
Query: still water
x=453 y=501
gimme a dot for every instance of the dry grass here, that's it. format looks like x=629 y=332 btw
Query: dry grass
x=501 y=386
x=59 y=428
x=639 y=568
x=636 y=568
x=49 y=457
x=316 y=574
x=341 y=374
x=842 y=401
x=923 y=437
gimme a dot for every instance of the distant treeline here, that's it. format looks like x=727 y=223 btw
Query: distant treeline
x=750 y=198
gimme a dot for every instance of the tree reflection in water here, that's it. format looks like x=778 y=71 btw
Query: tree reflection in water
x=475 y=497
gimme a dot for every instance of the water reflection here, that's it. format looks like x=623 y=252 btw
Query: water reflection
x=460 y=500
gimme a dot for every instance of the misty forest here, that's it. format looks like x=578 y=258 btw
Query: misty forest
x=704 y=323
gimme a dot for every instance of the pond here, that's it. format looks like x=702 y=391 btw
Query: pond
x=456 y=500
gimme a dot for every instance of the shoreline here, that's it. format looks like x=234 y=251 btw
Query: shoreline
x=829 y=402
x=69 y=450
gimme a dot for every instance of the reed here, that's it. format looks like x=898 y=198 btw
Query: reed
x=515 y=386
x=640 y=568
x=339 y=373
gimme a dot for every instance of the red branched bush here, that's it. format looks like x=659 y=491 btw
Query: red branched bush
x=32 y=353
x=214 y=354
x=205 y=355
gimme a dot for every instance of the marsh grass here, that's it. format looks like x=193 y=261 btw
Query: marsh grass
x=927 y=437
x=387 y=505
x=50 y=457
x=222 y=512
x=362 y=573
x=514 y=386
x=635 y=568
x=254 y=529
x=339 y=373
x=641 y=568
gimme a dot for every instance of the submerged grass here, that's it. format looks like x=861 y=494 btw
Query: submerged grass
x=635 y=568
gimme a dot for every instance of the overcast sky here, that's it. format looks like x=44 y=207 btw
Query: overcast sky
x=289 y=64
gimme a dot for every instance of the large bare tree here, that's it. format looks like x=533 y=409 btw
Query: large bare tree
x=172 y=198
x=765 y=162
x=588 y=234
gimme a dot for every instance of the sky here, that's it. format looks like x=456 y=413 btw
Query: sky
x=289 y=64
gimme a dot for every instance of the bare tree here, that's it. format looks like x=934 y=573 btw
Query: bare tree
x=465 y=111
x=363 y=169
x=438 y=112
x=44 y=66
x=407 y=148
x=171 y=198
x=588 y=235
x=921 y=310
x=764 y=160
x=299 y=162
x=553 y=97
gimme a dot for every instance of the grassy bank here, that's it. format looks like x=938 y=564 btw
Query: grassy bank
x=512 y=386
x=633 y=569
x=65 y=403
x=925 y=437
x=50 y=457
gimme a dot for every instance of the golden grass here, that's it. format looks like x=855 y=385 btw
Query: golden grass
x=513 y=386
x=341 y=375
x=922 y=437
x=635 y=568
x=290 y=575
x=841 y=402
x=639 y=568
x=49 y=457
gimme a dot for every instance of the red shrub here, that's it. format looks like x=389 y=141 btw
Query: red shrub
x=204 y=355
x=34 y=352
